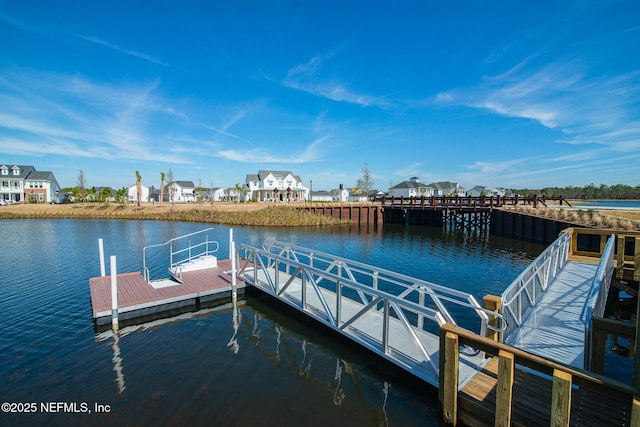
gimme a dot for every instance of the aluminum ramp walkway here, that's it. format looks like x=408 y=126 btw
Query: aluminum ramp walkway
x=400 y=324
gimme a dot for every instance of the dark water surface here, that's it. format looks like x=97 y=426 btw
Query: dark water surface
x=252 y=364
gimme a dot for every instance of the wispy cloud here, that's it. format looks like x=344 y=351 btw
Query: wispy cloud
x=122 y=50
x=307 y=78
x=62 y=35
x=69 y=115
x=562 y=96
x=310 y=153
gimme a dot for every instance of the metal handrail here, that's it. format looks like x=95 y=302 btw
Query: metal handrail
x=405 y=285
x=207 y=251
x=276 y=273
x=526 y=290
x=601 y=282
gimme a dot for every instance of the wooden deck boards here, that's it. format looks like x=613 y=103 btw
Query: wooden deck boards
x=532 y=401
x=135 y=293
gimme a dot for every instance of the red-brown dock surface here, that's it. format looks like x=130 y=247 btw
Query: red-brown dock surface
x=136 y=295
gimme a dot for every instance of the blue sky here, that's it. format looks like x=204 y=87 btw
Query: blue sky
x=510 y=94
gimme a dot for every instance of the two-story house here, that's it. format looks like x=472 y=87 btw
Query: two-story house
x=447 y=188
x=19 y=183
x=132 y=193
x=411 y=188
x=270 y=185
x=181 y=191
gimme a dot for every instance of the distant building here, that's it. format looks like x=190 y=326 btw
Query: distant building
x=411 y=188
x=447 y=188
x=132 y=193
x=479 y=190
x=272 y=185
x=215 y=194
x=181 y=191
x=19 y=183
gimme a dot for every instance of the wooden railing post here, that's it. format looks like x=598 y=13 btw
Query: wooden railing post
x=493 y=303
x=449 y=364
x=635 y=412
x=636 y=260
x=504 y=388
x=561 y=399
x=620 y=257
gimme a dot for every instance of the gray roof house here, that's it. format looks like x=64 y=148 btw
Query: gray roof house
x=411 y=188
x=274 y=185
x=447 y=188
x=20 y=183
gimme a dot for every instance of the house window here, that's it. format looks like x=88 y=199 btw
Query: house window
x=5 y=183
x=270 y=182
x=5 y=171
x=41 y=197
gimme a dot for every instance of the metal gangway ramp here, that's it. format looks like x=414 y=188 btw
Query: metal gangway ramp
x=548 y=308
x=396 y=316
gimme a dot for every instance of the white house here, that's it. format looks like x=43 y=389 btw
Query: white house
x=132 y=193
x=270 y=185
x=181 y=191
x=215 y=194
x=411 y=188
x=447 y=188
x=19 y=183
x=42 y=187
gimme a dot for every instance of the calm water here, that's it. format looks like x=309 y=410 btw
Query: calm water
x=248 y=365
x=620 y=204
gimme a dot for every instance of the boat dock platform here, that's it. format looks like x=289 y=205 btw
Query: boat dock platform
x=195 y=276
x=137 y=297
x=529 y=355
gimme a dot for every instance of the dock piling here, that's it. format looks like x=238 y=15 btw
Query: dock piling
x=114 y=293
x=101 y=252
x=234 y=288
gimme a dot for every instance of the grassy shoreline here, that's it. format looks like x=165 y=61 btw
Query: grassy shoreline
x=274 y=215
x=251 y=214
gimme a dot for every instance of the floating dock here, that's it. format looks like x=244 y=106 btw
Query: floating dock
x=195 y=276
x=137 y=297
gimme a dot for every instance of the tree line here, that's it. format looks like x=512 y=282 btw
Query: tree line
x=588 y=192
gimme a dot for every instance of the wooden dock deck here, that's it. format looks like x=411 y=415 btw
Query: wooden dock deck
x=138 y=298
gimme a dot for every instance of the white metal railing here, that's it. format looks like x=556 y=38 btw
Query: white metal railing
x=343 y=294
x=527 y=289
x=202 y=247
x=596 y=301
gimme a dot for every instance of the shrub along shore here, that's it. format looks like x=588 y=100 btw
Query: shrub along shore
x=272 y=215
x=251 y=214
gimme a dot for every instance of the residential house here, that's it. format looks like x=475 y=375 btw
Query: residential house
x=480 y=190
x=19 y=183
x=132 y=193
x=215 y=194
x=412 y=188
x=270 y=185
x=42 y=187
x=181 y=191
x=447 y=188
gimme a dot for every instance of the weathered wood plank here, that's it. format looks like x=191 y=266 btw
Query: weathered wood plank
x=561 y=399
x=504 y=392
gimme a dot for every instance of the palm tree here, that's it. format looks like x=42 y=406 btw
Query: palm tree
x=161 y=187
x=138 y=187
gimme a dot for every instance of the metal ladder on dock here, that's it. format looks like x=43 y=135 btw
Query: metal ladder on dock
x=396 y=316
